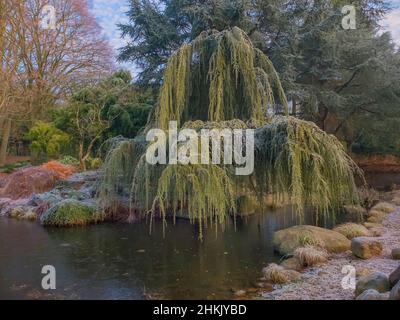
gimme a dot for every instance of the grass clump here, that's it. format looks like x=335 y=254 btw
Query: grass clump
x=309 y=239
x=352 y=230
x=71 y=212
x=384 y=207
x=278 y=274
x=396 y=201
x=311 y=256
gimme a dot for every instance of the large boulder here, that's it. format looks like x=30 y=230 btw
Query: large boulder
x=288 y=240
x=366 y=247
x=371 y=294
x=396 y=253
x=394 y=277
x=395 y=292
x=377 y=281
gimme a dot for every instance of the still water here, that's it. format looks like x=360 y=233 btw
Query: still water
x=123 y=261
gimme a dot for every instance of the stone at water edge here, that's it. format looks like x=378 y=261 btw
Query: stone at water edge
x=366 y=247
x=396 y=254
x=394 y=277
x=395 y=292
x=292 y=264
x=371 y=294
x=377 y=281
x=286 y=241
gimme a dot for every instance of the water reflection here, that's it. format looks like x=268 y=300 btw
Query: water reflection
x=120 y=261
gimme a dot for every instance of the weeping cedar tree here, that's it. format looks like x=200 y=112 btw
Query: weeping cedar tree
x=220 y=80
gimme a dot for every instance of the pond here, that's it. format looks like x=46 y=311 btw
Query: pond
x=123 y=261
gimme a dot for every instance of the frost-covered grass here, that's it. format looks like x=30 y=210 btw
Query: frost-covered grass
x=71 y=213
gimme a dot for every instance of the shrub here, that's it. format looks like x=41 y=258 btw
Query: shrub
x=47 y=141
x=71 y=213
x=352 y=230
x=69 y=160
x=310 y=256
x=62 y=171
x=309 y=239
x=376 y=216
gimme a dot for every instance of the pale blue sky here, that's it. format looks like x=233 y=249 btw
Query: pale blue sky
x=110 y=12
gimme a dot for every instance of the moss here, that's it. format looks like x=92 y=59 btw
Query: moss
x=71 y=213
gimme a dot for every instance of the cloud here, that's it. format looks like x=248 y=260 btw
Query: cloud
x=392 y=24
x=108 y=14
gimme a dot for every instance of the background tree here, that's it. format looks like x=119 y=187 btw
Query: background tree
x=45 y=65
x=97 y=112
x=337 y=78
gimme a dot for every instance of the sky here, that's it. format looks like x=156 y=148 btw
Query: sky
x=111 y=12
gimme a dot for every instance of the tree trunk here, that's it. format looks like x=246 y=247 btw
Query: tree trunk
x=82 y=159
x=4 y=141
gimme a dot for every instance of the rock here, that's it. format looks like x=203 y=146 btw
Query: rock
x=375 y=229
x=384 y=207
x=395 y=292
x=267 y=287
x=52 y=197
x=366 y=247
x=370 y=225
x=292 y=264
x=288 y=240
x=362 y=272
x=377 y=281
x=239 y=293
x=77 y=180
x=352 y=230
x=394 y=277
x=371 y=294
x=375 y=216
x=396 y=254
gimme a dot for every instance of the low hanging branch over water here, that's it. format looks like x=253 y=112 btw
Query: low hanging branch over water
x=221 y=81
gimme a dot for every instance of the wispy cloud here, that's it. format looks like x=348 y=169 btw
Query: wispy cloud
x=111 y=12
x=108 y=14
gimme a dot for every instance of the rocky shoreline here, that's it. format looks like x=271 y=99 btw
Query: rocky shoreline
x=324 y=281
